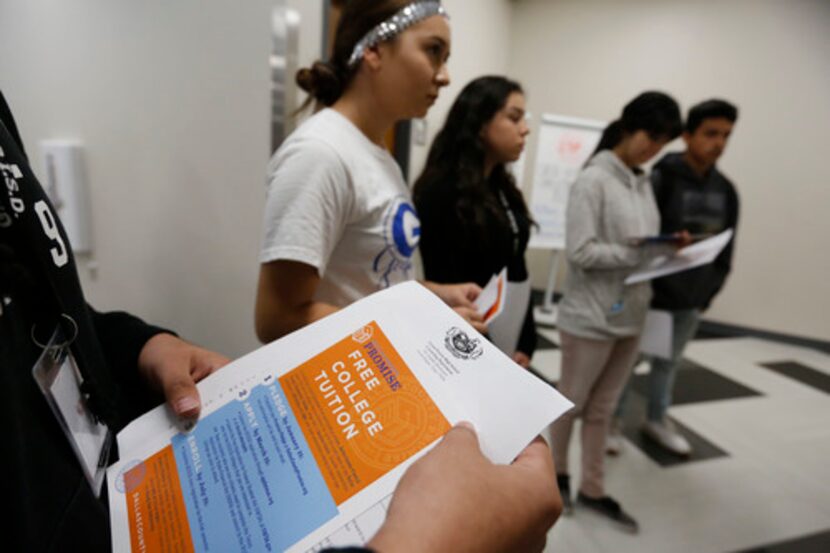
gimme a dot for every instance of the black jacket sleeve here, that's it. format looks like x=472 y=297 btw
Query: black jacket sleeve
x=122 y=337
x=663 y=192
x=723 y=262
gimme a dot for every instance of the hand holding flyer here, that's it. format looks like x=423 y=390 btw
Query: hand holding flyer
x=491 y=300
x=302 y=442
x=503 y=306
x=699 y=253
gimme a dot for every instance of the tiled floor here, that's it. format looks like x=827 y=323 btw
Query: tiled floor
x=757 y=412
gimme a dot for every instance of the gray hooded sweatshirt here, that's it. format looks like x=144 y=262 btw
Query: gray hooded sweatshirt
x=608 y=205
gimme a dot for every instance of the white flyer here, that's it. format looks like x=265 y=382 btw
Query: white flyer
x=563 y=146
x=301 y=442
x=657 y=335
x=490 y=301
x=699 y=253
x=506 y=329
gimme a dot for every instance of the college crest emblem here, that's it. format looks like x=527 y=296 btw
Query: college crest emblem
x=461 y=345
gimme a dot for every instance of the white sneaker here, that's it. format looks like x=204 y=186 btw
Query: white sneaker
x=614 y=439
x=664 y=434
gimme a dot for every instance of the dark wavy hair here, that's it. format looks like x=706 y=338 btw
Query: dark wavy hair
x=325 y=81
x=455 y=164
x=656 y=113
x=710 y=109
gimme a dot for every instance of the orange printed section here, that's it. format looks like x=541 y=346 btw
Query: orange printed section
x=495 y=307
x=158 y=520
x=362 y=410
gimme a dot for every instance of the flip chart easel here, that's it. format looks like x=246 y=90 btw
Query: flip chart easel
x=564 y=145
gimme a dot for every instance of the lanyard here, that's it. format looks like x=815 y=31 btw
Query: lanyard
x=61 y=383
x=511 y=217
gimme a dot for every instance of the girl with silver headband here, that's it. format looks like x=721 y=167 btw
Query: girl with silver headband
x=339 y=222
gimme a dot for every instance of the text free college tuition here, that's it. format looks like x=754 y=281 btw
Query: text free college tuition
x=351 y=390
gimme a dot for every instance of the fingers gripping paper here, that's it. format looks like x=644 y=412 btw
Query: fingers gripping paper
x=302 y=441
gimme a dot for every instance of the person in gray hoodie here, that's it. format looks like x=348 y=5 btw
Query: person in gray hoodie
x=610 y=209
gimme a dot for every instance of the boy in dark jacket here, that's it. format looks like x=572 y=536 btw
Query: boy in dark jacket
x=691 y=195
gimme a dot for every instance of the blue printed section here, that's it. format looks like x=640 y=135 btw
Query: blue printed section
x=249 y=480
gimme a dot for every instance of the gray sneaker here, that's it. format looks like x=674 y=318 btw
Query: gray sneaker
x=664 y=434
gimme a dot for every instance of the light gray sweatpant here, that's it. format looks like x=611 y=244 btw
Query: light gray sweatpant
x=593 y=375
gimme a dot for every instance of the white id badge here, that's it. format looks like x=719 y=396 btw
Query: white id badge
x=60 y=381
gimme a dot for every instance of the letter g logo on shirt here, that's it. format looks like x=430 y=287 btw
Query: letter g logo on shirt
x=401 y=232
x=406 y=230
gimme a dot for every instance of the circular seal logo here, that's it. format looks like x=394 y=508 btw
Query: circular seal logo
x=363 y=335
x=461 y=345
x=416 y=425
x=130 y=476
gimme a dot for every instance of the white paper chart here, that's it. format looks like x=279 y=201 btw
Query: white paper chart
x=564 y=145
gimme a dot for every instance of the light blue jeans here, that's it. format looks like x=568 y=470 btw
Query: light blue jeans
x=663 y=371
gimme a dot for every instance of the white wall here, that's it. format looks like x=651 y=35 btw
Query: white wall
x=171 y=100
x=588 y=57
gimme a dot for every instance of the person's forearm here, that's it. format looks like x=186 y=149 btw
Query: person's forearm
x=443 y=291
x=280 y=322
x=418 y=535
x=652 y=251
x=593 y=255
x=433 y=287
x=389 y=540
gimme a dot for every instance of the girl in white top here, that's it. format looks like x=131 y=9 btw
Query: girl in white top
x=339 y=221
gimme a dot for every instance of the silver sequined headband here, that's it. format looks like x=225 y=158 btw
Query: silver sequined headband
x=386 y=30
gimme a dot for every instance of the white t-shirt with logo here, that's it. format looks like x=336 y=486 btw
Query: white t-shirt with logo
x=338 y=202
